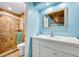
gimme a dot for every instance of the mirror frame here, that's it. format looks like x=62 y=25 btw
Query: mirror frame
x=56 y=10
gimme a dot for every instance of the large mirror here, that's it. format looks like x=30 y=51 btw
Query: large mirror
x=56 y=18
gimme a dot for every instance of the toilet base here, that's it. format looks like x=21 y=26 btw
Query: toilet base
x=21 y=48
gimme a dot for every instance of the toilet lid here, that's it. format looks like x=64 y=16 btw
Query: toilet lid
x=21 y=44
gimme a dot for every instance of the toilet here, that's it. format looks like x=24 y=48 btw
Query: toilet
x=21 y=47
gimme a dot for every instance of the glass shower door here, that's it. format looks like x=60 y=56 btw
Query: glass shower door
x=8 y=33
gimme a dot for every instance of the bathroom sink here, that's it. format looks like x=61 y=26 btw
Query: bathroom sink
x=48 y=36
x=58 y=38
x=55 y=37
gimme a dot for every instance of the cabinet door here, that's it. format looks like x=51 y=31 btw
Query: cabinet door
x=63 y=54
x=35 y=50
x=47 y=52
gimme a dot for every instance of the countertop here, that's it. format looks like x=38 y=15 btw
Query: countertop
x=73 y=40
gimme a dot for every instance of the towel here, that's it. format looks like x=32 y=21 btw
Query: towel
x=19 y=37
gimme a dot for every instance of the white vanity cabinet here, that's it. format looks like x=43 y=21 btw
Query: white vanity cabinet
x=47 y=52
x=42 y=47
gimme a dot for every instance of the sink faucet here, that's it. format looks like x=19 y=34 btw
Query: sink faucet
x=51 y=34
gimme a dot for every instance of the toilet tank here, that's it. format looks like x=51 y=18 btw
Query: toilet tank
x=19 y=37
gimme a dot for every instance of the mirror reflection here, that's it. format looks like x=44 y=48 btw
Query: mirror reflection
x=56 y=18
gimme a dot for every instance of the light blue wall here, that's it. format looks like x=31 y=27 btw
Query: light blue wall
x=73 y=22
x=32 y=26
x=35 y=24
